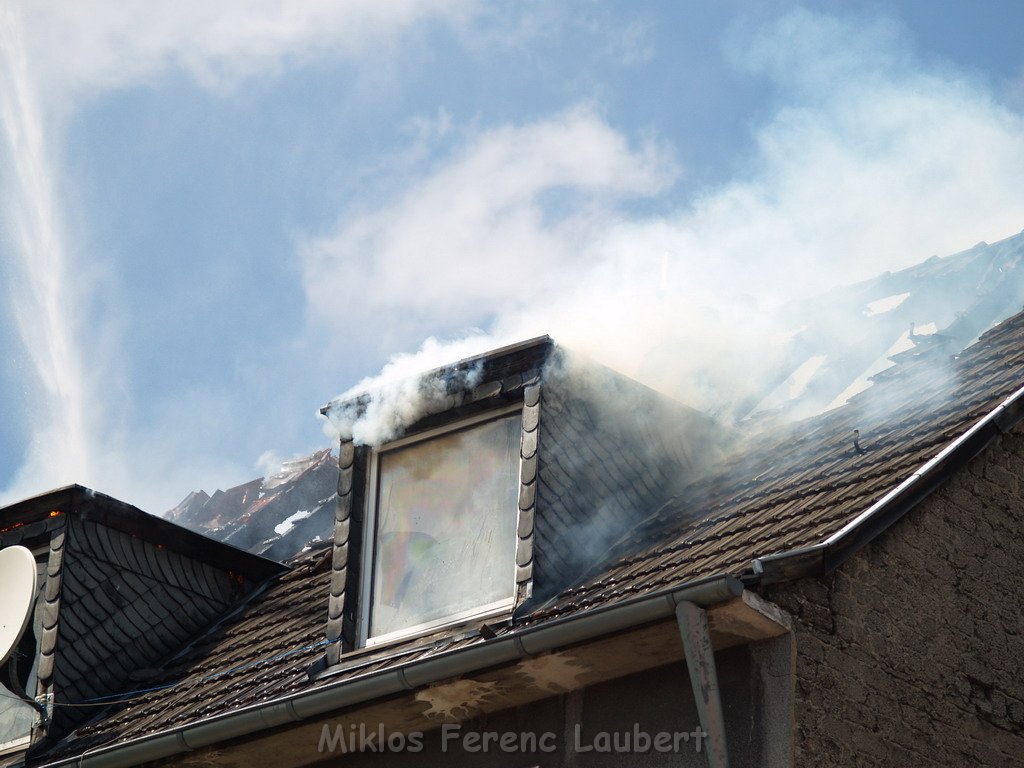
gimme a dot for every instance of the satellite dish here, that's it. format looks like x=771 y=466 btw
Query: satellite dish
x=17 y=596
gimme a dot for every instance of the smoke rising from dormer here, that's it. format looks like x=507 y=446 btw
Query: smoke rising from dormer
x=564 y=220
x=873 y=161
x=379 y=408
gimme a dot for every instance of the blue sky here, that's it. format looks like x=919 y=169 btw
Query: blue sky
x=220 y=215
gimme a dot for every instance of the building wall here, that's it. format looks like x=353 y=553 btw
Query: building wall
x=912 y=652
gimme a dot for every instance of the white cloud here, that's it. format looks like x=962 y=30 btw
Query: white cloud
x=43 y=305
x=478 y=235
x=85 y=47
x=872 y=162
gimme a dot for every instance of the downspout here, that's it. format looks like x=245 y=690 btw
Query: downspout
x=700 y=662
x=331 y=697
x=827 y=555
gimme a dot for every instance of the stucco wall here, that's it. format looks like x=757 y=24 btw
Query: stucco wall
x=912 y=652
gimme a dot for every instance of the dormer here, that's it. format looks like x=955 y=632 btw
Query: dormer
x=120 y=592
x=502 y=480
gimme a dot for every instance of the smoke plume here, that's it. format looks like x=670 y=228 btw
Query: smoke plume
x=378 y=408
x=873 y=160
x=867 y=159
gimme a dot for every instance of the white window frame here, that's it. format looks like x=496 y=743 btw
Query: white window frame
x=18 y=745
x=480 y=614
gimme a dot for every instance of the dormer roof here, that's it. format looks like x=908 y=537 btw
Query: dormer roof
x=124 y=591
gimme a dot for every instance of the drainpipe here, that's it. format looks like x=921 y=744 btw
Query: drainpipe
x=700 y=661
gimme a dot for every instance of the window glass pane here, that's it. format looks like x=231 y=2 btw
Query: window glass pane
x=16 y=719
x=446 y=526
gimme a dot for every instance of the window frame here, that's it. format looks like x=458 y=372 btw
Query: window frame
x=500 y=608
x=20 y=744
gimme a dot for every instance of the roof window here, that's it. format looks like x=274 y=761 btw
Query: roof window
x=441 y=518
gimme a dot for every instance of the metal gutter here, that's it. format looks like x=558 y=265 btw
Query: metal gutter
x=834 y=550
x=354 y=691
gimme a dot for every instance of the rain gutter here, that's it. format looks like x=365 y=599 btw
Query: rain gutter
x=828 y=554
x=350 y=692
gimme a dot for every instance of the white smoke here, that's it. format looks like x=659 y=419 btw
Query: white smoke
x=873 y=161
x=379 y=408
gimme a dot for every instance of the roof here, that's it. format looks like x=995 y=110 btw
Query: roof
x=274 y=516
x=123 y=591
x=789 y=488
x=32 y=516
x=799 y=484
x=259 y=652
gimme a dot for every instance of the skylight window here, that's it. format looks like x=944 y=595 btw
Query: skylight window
x=442 y=529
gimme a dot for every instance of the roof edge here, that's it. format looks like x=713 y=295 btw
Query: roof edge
x=123 y=516
x=466 y=362
x=505 y=649
x=831 y=552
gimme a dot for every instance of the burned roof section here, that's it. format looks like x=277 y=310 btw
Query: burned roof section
x=846 y=335
x=277 y=516
x=796 y=485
